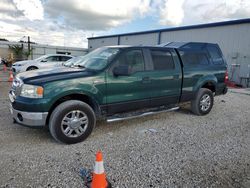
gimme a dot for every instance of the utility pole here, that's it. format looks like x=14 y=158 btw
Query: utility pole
x=29 y=49
x=28 y=43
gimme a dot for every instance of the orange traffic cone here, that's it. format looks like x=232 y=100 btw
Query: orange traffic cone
x=99 y=178
x=4 y=68
x=10 y=77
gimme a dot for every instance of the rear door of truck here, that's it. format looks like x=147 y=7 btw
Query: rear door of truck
x=196 y=68
x=165 y=76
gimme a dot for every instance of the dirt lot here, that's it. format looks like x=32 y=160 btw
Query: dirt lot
x=175 y=149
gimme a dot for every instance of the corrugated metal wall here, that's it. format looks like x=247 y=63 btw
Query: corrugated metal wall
x=102 y=42
x=39 y=51
x=151 y=39
x=234 y=41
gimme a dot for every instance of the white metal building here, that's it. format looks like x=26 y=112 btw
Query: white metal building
x=232 y=36
x=39 y=49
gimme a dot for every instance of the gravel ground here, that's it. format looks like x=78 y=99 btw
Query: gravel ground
x=175 y=149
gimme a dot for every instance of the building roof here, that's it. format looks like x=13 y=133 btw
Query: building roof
x=216 y=24
x=42 y=45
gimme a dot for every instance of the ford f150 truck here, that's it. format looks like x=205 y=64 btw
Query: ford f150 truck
x=118 y=83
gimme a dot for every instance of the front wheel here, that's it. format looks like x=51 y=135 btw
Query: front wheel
x=72 y=122
x=203 y=102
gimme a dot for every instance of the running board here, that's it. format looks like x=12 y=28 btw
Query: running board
x=114 y=119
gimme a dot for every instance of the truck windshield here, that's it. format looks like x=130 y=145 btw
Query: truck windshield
x=95 y=60
x=73 y=61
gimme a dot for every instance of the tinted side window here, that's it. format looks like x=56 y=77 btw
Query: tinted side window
x=191 y=58
x=65 y=58
x=134 y=60
x=52 y=58
x=197 y=46
x=215 y=55
x=162 y=60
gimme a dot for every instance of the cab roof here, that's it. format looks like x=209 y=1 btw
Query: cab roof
x=182 y=44
x=176 y=45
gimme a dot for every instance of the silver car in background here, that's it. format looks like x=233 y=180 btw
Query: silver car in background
x=45 y=61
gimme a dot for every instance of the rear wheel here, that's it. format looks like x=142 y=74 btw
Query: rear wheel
x=72 y=122
x=203 y=102
x=31 y=68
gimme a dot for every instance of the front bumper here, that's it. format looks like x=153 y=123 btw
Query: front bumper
x=33 y=119
x=16 y=69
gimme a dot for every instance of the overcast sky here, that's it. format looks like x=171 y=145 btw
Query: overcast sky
x=70 y=22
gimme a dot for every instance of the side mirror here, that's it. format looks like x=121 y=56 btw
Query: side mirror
x=44 y=60
x=122 y=70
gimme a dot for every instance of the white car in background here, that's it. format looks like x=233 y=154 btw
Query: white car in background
x=45 y=61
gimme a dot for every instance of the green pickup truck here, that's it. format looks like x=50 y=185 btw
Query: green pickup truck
x=118 y=83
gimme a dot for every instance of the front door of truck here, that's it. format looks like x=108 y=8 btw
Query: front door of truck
x=165 y=77
x=127 y=82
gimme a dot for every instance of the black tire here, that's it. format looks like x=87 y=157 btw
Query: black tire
x=196 y=105
x=64 y=110
x=31 y=68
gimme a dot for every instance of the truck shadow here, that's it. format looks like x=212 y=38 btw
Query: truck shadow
x=105 y=126
x=42 y=135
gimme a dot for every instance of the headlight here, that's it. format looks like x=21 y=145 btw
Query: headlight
x=18 y=65
x=31 y=91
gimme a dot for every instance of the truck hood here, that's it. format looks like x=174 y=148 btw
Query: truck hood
x=42 y=76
